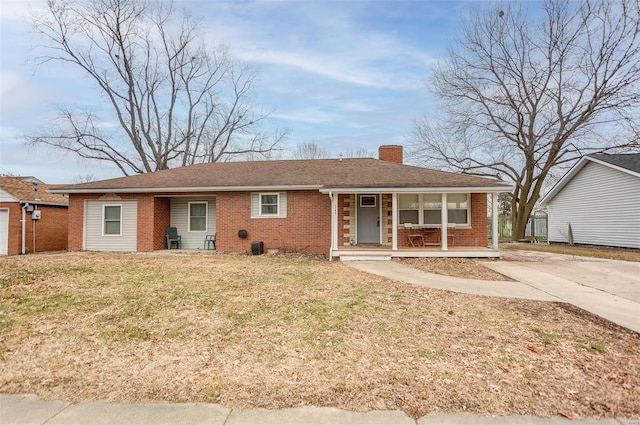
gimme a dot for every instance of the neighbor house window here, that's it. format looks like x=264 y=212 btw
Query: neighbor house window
x=409 y=205
x=197 y=216
x=112 y=220
x=269 y=204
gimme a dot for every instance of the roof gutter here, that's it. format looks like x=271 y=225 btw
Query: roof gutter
x=186 y=189
x=34 y=202
x=404 y=189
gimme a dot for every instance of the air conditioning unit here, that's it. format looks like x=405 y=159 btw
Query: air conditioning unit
x=36 y=214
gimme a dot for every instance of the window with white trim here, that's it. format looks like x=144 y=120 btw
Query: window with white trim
x=408 y=205
x=458 y=208
x=112 y=220
x=269 y=203
x=426 y=208
x=198 y=216
x=432 y=208
x=368 y=201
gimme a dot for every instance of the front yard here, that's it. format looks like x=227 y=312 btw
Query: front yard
x=274 y=331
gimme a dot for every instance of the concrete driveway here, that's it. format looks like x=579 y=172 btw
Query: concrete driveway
x=607 y=288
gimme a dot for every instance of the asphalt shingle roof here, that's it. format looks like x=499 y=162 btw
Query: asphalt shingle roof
x=321 y=173
x=22 y=189
x=629 y=161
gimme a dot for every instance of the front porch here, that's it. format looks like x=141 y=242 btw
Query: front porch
x=401 y=223
x=379 y=252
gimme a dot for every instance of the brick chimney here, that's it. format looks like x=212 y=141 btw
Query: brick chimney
x=391 y=153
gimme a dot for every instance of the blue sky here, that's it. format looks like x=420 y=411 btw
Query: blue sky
x=345 y=74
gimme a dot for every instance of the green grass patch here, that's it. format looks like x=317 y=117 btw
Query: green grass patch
x=549 y=336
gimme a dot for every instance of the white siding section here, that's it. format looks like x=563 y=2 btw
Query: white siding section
x=180 y=220
x=4 y=231
x=282 y=205
x=93 y=227
x=601 y=204
x=6 y=197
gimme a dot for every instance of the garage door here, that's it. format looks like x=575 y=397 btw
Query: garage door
x=4 y=231
x=111 y=226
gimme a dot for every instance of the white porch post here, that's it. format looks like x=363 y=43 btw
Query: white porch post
x=445 y=222
x=394 y=221
x=334 y=223
x=494 y=220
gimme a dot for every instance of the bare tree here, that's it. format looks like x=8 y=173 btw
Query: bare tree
x=359 y=152
x=309 y=150
x=521 y=95
x=175 y=101
x=84 y=178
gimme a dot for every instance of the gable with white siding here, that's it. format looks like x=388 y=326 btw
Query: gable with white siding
x=602 y=205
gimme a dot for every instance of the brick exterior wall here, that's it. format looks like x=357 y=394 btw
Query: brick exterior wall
x=390 y=153
x=387 y=219
x=306 y=229
x=50 y=231
x=162 y=220
x=346 y=219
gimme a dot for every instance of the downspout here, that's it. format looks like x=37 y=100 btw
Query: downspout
x=23 y=222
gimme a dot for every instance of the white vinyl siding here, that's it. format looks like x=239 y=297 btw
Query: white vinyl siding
x=601 y=204
x=256 y=204
x=180 y=219
x=6 y=197
x=94 y=237
x=4 y=231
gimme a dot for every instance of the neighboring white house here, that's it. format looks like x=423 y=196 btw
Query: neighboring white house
x=599 y=200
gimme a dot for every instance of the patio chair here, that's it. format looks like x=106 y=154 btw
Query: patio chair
x=415 y=239
x=173 y=236
x=208 y=240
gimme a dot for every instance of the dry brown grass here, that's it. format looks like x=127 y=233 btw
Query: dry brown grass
x=457 y=267
x=584 y=251
x=278 y=332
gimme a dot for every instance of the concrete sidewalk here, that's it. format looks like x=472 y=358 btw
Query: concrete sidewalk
x=29 y=410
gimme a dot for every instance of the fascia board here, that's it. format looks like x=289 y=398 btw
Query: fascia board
x=615 y=167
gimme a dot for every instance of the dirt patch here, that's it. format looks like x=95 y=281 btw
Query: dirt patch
x=457 y=267
x=276 y=332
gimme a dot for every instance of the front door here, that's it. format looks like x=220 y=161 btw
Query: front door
x=368 y=219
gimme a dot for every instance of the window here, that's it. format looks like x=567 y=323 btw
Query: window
x=112 y=220
x=408 y=206
x=426 y=208
x=432 y=208
x=269 y=204
x=367 y=200
x=458 y=208
x=197 y=216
